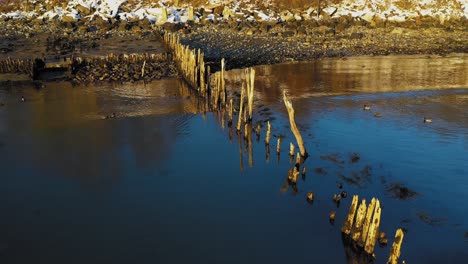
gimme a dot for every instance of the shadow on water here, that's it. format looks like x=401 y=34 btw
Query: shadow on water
x=164 y=181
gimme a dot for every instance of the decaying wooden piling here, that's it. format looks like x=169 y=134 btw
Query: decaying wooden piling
x=367 y=222
x=250 y=80
x=268 y=134
x=294 y=128
x=358 y=224
x=348 y=224
x=362 y=225
x=396 y=247
x=373 y=230
x=291 y=149
x=239 y=121
x=18 y=66
x=278 y=145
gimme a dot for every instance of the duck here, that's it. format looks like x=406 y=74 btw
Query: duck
x=23 y=99
x=377 y=115
x=366 y=107
x=427 y=120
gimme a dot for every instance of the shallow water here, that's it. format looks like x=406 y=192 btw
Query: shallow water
x=164 y=183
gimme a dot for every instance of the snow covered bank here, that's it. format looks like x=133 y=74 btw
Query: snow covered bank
x=240 y=10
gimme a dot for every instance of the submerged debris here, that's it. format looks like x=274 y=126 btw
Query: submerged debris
x=320 y=171
x=334 y=157
x=354 y=158
x=426 y=218
x=399 y=191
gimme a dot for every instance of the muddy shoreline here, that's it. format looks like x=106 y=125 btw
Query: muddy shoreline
x=242 y=44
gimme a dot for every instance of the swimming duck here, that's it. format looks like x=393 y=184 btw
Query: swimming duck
x=427 y=120
x=366 y=107
x=377 y=115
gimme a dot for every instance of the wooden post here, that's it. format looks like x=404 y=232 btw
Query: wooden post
x=293 y=175
x=396 y=247
x=346 y=229
x=373 y=230
x=367 y=222
x=294 y=128
x=291 y=149
x=267 y=137
x=239 y=121
x=257 y=131
x=223 y=83
x=278 y=145
x=357 y=228
x=251 y=92
x=143 y=69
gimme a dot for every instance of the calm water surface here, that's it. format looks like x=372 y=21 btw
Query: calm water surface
x=164 y=183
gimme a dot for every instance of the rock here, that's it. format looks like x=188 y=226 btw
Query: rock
x=135 y=28
x=83 y=10
x=397 y=31
x=228 y=13
x=69 y=19
x=287 y=16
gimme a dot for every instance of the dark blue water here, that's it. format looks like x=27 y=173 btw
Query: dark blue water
x=164 y=183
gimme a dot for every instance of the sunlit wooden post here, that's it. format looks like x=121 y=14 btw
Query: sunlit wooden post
x=291 y=149
x=268 y=133
x=294 y=128
x=278 y=145
x=346 y=228
x=396 y=247
x=239 y=121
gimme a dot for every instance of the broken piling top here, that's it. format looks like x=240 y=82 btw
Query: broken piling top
x=396 y=247
x=348 y=224
x=294 y=128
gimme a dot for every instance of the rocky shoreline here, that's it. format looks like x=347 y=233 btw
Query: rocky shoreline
x=241 y=43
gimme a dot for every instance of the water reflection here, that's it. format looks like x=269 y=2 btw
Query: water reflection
x=61 y=127
x=164 y=179
x=358 y=74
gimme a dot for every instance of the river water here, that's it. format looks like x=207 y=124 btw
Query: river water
x=165 y=182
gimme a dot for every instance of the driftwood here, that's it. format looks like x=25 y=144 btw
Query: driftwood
x=294 y=128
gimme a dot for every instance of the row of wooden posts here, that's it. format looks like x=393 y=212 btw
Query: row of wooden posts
x=362 y=228
x=22 y=66
x=361 y=225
